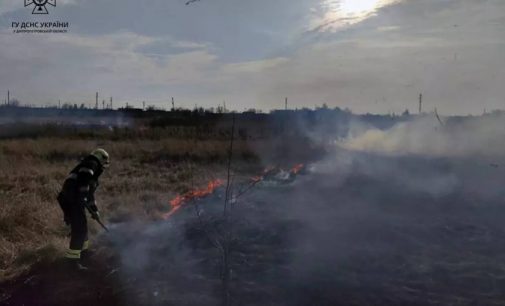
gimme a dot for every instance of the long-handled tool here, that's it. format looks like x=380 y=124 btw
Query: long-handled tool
x=96 y=217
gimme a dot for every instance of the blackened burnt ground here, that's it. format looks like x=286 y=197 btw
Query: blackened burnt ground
x=358 y=229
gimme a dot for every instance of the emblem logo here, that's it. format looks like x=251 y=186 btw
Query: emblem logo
x=40 y=5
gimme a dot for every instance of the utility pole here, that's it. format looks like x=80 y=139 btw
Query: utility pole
x=8 y=97
x=286 y=104
x=420 y=103
x=110 y=102
x=96 y=101
x=103 y=104
x=173 y=104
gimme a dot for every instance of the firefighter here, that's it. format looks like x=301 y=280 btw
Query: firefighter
x=77 y=196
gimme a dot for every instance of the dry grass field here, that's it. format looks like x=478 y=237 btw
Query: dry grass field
x=145 y=173
x=355 y=227
x=143 y=177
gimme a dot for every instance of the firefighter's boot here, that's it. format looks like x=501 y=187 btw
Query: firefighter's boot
x=75 y=265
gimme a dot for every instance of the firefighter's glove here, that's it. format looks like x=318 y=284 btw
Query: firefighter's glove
x=93 y=207
x=95 y=215
x=93 y=210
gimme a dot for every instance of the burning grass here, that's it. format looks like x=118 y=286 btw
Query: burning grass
x=363 y=229
x=271 y=173
x=358 y=237
x=144 y=176
x=195 y=194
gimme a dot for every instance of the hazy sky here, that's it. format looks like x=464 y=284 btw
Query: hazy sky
x=368 y=55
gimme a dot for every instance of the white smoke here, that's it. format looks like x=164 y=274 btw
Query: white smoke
x=470 y=136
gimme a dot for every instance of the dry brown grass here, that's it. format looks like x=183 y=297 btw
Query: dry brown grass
x=144 y=175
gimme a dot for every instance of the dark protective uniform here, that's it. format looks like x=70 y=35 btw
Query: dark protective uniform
x=78 y=192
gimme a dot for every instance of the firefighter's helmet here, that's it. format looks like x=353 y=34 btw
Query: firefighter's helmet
x=102 y=156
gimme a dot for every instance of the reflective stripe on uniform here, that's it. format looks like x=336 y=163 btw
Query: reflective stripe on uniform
x=86 y=170
x=85 y=246
x=75 y=254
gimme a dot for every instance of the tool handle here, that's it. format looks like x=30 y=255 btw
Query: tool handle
x=95 y=217
x=102 y=225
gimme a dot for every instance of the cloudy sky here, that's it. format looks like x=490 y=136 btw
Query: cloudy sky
x=368 y=55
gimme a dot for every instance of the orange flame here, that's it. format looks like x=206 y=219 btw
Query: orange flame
x=177 y=202
x=297 y=168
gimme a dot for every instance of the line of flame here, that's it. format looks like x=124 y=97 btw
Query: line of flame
x=177 y=202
